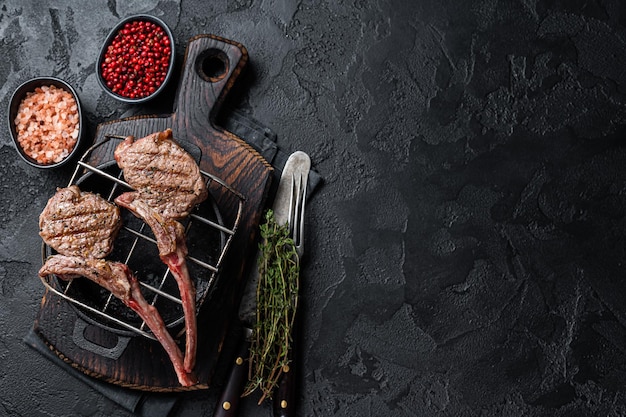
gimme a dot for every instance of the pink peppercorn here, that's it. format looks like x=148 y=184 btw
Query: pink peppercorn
x=136 y=62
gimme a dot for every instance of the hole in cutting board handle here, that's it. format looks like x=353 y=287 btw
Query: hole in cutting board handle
x=212 y=65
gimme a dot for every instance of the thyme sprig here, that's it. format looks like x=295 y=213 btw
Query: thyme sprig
x=277 y=301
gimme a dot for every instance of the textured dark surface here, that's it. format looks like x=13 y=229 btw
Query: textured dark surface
x=466 y=252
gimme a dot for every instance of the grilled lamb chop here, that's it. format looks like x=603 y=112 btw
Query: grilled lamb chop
x=168 y=184
x=117 y=278
x=82 y=226
x=77 y=223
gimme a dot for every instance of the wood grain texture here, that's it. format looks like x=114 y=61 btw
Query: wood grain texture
x=143 y=364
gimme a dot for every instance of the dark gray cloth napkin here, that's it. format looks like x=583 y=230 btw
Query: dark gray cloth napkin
x=263 y=140
x=141 y=403
x=145 y=404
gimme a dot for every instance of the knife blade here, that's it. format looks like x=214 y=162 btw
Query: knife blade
x=297 y=164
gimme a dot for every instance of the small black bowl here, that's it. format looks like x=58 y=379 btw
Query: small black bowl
x=110 y=38
x=14 y=104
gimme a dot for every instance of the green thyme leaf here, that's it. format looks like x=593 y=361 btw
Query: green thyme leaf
x=277 y=301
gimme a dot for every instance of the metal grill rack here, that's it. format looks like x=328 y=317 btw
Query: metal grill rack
x=139 y=236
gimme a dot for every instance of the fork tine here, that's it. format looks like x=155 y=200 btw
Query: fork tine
x=298 y=226
x=296 y=213
x=295 y=216
x=303 y=192
x=292 y=205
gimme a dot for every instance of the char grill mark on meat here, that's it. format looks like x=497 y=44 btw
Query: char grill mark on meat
x=168 y=184
x=164 y=174
x=117 y=278
x=79 y=223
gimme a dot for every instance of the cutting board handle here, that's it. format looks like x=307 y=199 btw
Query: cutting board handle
x=210 y=68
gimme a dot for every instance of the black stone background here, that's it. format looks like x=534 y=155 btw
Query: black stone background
x=466 y=252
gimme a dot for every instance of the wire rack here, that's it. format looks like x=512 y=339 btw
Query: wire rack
x=105 y=309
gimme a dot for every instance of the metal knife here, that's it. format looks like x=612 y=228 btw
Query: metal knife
x=297 y=164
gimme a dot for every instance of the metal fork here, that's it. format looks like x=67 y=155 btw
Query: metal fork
x=285 y=395
x=295 y=220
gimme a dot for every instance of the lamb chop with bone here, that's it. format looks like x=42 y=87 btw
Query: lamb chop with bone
x=81 y=227
x=167 y=184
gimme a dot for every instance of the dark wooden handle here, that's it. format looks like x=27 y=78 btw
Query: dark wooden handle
x=284 y=401
x=211 y=66
x=228 y=403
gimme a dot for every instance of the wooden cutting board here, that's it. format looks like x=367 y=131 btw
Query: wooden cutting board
x=211 y=66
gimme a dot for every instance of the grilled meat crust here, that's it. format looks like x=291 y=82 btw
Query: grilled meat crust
x=77 y=223
x=109 y=275
x=164 y=174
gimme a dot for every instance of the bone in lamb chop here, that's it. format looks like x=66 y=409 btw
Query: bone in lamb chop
x=82 y=227
x=168 y=184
